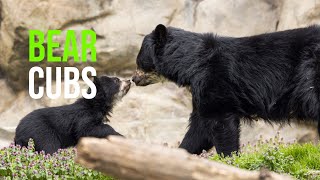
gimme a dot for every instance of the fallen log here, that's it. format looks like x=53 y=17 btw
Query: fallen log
x=129 y=159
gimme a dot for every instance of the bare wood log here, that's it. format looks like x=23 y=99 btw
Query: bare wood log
x=129 y=159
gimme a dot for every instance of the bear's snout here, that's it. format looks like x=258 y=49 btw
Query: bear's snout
x=136 y=79
x=141 y=78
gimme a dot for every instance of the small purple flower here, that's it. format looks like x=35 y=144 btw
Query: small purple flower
x=31 y=165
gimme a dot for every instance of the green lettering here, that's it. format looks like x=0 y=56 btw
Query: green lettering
x=88 y=45
x=33 y=45
x=70 y=40
x=52 y=45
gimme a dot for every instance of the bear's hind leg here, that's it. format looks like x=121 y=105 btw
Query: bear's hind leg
x=44 y=137
x=197 y=138
x=226 y=131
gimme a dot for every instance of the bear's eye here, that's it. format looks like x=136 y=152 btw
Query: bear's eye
x=116 y=80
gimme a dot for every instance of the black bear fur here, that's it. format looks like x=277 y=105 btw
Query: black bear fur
x=273 y=76
x=54 y=128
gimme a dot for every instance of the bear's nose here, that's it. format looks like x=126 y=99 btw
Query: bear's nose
x=136 y=79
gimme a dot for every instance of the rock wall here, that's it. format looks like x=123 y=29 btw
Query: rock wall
x=158 y=113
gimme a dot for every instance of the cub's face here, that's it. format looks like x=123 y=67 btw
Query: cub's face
x=112 y=87
x=146 y=73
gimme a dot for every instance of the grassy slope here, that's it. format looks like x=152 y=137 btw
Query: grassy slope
x=25 y=163
x=299 y=160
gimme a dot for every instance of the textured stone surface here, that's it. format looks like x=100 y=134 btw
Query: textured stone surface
x=157 y=113
x=296 y=13
x=120 y=26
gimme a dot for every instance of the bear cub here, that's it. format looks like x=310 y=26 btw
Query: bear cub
x=60 y=127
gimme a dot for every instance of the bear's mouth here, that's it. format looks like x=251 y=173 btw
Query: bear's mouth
x=141 y=78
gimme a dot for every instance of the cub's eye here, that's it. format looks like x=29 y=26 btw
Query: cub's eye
x=116 y=80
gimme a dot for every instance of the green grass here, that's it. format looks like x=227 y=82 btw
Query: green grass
x=25 y=163
x=299 y=160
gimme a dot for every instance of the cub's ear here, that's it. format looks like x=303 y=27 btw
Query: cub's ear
x=160 y=34
x=96 y=81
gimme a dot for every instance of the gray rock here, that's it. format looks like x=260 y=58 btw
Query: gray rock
x=121 y=25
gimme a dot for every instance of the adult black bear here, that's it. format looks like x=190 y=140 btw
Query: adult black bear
x=61 y=127
x=274 y=76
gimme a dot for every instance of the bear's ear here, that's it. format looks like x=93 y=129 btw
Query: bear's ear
x=96 y=81
x=160 y=34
